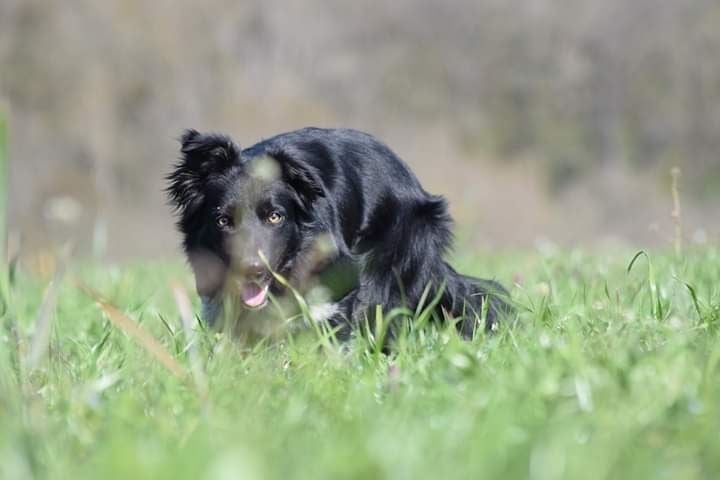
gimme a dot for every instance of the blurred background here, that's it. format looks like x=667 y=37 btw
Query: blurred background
x=545 y=122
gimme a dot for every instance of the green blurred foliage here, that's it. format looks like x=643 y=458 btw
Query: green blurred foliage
x=608 y=374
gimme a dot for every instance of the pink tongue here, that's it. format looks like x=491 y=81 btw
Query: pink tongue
x=253 y=295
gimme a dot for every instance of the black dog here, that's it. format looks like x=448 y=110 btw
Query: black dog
x=319 y=203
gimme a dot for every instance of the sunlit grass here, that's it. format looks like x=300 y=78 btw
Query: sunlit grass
x=609 y=373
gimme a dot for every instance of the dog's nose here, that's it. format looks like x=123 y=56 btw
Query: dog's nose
x=253 y=270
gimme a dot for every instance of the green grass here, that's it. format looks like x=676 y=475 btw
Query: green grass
x=607 y=374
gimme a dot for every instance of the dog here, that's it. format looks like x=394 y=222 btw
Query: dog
x=330 y=208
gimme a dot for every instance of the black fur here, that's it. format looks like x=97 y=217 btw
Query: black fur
x=338 y=184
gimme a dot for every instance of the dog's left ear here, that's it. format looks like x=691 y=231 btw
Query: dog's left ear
x=203 y=156
x=301 y=176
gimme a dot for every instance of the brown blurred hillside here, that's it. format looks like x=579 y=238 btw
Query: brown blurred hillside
x=541 y=120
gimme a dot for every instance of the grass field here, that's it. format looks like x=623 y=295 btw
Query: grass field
x=606 y=374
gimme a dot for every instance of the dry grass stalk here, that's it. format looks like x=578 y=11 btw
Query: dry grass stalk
x=676 y=213
x=139 y=334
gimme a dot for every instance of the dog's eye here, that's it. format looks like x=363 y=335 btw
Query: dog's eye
x=223 y=221
x=275 y=218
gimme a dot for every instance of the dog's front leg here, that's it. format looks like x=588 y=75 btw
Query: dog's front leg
x=211 y=310
x=340 y=316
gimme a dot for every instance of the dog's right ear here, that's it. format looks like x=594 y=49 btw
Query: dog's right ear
x=203 y=156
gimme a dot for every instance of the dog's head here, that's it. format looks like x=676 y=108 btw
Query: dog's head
x=240 y=217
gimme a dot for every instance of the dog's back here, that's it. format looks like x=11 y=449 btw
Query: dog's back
x=387 y=221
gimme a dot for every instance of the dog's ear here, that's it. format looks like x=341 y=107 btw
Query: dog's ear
x=300 y=175
x=304 y=181
x=203 y=155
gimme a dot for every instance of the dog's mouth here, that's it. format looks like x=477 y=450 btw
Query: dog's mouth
x=253 y=294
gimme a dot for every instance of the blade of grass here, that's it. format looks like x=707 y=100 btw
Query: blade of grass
x=185 y=310
x=426 y=314
x=694 y=297
x=46 y=314
x=380 y=330
x=656 y=308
